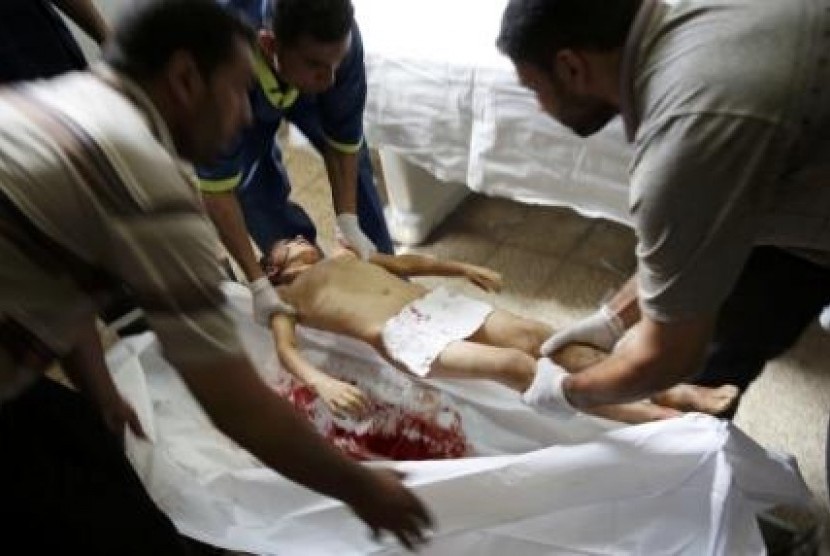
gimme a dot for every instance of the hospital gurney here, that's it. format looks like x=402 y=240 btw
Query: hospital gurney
x=691 y=485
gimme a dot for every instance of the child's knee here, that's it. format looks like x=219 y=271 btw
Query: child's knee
x=534 y=335
x=517 y=367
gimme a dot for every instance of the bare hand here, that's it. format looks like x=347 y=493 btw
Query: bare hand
x=342 y=398
x=485 y=278
x=387 y=505
x=118 y=413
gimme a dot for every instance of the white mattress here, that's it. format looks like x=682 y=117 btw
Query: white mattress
x=686 y=486
x=442 y=96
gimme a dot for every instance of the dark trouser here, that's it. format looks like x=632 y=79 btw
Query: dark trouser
x=270 y=215
x=66 y=486
x=264 y=192
x=777 y=296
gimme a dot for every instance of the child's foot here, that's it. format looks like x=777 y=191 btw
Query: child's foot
x=703 y=399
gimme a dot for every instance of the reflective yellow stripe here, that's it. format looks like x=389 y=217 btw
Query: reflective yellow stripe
x=270 y=85
x=348 y=148
x=219 y=186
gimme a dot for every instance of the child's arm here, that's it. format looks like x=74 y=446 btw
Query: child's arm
x=419 y=265
x=340 y=397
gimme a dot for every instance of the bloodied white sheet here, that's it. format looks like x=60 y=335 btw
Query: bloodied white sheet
x=538 y=486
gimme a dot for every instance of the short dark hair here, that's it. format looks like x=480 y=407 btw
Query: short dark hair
x=149 y=32
x=273 y=269
x=533 y=30
x=325 y=21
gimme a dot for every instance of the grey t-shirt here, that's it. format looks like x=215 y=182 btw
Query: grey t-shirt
x=729 y=110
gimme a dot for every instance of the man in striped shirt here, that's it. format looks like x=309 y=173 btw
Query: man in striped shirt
x=94 y=194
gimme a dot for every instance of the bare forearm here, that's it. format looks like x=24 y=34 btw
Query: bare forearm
x=293 y=361
x=342 y=171
x=242 y=406
x=656 y=357
x=86 y=16
x=625 y=303
x=85 y=365
x=283 y=330
x=226 y=214
x=412 y=264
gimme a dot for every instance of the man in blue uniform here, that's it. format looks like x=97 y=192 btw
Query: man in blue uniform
x=309 y=70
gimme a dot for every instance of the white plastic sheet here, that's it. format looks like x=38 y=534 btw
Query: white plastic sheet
x=686 y=486
x=443 y=97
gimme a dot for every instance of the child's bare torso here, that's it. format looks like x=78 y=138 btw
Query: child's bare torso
x=349 y=296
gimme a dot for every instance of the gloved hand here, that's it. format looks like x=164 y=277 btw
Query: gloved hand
x=602 y=330
x=349 y=229
x=267 y=302
x=546 y=394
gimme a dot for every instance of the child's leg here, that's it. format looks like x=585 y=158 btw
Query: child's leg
x=672 y=402
x=633 y=413
x=689 y=397
x=516 y=369
x=504 y=329
x=464 y=359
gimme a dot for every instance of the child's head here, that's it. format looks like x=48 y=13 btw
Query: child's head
x=287 y=258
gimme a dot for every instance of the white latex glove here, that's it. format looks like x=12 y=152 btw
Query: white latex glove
x=267 y=302
x=602 y=330
x=824 y=318
x=545 y=393
x=349 y=229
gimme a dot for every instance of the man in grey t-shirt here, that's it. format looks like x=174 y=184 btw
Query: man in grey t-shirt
x=727 y=103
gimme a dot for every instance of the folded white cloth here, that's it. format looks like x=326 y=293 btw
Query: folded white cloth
x=545 y=393
x=417 y=335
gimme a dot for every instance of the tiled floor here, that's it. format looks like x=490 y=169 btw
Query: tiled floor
x=558 y=266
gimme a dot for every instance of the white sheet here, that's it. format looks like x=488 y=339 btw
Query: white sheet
x=686 y=486
x=441 y=95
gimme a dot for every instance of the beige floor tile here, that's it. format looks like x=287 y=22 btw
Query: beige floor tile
x=487 y=214
x=548 y=230
x=524 y=272
x=304 y=166
x=315 y=198
x=610 y=246
x=461 y=245
x=579 y=288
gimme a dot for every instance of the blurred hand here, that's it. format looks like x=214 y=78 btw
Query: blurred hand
x=602 y=330
x=342 y=398
x=385 y=504
x=118 y=414
x=487 y=279
x=349 y=232
x=267 y=302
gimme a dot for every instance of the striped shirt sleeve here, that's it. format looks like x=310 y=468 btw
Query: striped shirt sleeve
x=142 y=221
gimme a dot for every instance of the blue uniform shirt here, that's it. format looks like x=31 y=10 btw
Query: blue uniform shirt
x=336 y=114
